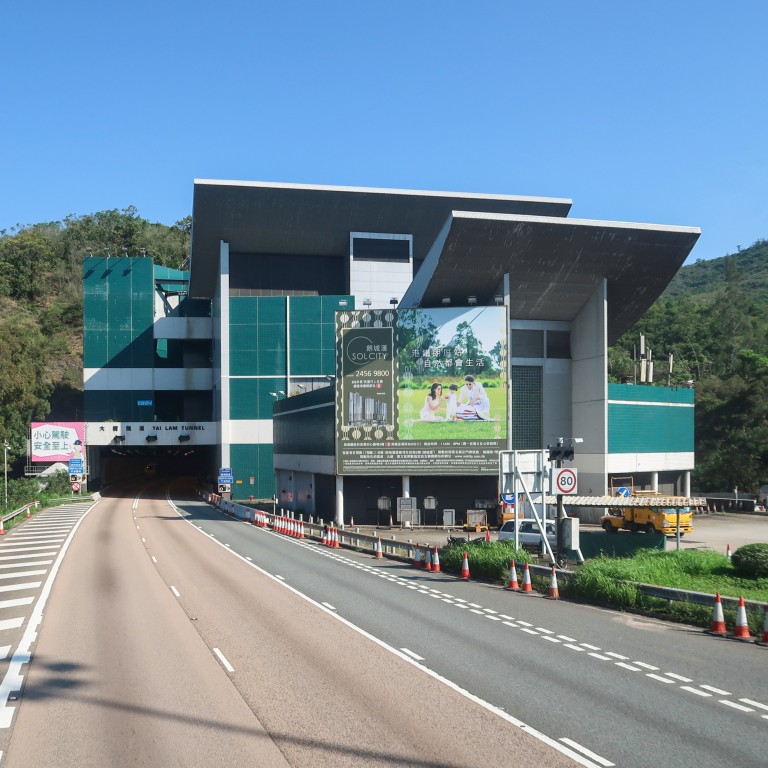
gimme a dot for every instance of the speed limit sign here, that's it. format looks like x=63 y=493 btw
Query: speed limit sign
x=565 y=481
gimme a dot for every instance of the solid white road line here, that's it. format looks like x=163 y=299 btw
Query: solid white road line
x=4 y=650
x=587 y=752
x=223 y=660
x=329 y=606
x=412 y=654
x=24 y=548
x=49 y=553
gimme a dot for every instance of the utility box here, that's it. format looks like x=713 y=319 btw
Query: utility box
x=570 y=532
x=449 y=518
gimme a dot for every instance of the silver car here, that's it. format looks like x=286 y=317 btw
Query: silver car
x=529 y=531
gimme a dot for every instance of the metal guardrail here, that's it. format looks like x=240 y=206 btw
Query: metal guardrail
x=20 y=511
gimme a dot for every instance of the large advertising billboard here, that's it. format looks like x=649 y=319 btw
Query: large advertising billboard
x=56 y=440
x=421 y=391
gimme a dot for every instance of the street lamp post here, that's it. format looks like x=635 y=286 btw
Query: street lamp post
x=6 y=448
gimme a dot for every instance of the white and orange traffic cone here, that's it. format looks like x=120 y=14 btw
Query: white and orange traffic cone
x=728 y=551
x=301 y=529
x=2 y=526
x=29 y=514
x=391 y=524
x=417 y=561
x=487 y=534
x=435 y=562
x=379 y=551
x=527 y=586
x=465 y=567
x=336 y=544
x=427 y=559
x=324 y=539
x=513 y=583
x=718 y=620
x=741 y=631
x=554 y=592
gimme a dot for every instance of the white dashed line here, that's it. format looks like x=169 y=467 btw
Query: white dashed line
x=329 y=606
x=679 y=677
x=616 y=655
x=751 y=703
x=660 y=678
x=277 y=576
x=154 y=559
x=734 y=705
x=567 y=639
x=551 y=639
x=695 y=690
x=412 y=654
x=627 y=666
x=175 y=591
x=529 y=631
x=646 y=666
x=575 y=647
x=718 y=691
x=591 y=647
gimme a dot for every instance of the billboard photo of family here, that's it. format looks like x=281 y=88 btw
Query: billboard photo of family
x=452 y=374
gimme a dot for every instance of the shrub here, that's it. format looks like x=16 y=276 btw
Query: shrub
x=751 y=561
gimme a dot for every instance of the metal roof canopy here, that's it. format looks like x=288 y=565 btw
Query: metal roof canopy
x=669 y=502
x=306 y=219
x=554 y=264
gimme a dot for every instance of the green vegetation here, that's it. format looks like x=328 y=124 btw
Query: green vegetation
x=751 y=561
x=609 y=580
x=487 y=559
x=713 y=320
x=47 y=490
x=41 y=314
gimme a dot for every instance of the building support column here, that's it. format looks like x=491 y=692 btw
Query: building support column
x=654 y=481
x=340 y=501
x=406 y=486
x=687 y=483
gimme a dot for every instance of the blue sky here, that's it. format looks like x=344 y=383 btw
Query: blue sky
x=648 y=112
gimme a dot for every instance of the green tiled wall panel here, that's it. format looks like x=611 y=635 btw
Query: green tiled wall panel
x=650 y=394
x=649 y=428
x=251 y=398
x=307 y=432
x=252 y=461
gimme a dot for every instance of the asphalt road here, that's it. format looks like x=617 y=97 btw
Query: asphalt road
x=161 y=646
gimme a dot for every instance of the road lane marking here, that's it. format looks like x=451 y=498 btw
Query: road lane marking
x=508 y=618
x=223 y=660
x=591 y=647
x=695 y=690
x=752 y=703
x=529 y=631
x=545 y=631
x=277 y=576
x=14 y=603
x=627 y=666
x=175 y=591
x=14 y=679
x=734 y=705
x=412 y=654
x=587 y=752
x=474 y=610
x=646 y=666
x=11 y=623
x=679 y=677
x=26 y=585
x=143 y=539
x=567 y=639
x=329 y=606
x=575 y=647
x=660 y=678
x=4 y=650
x=20 y=574
x=542 y=737
x=601 y=657
x=48 y=547
x=154 y=559
x=717 y=690
x=616 y=655
x=551 y=639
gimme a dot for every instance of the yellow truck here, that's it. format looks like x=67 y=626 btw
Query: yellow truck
x=636 y=516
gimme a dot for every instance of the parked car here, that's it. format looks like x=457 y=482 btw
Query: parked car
x=529 y=531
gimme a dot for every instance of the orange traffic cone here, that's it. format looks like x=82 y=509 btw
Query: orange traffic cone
x=29 y=514
x=513 y=583
x=554 y=592
x=718 y=620
x=465 y=567
x=527 y=586
x=428 y=559
x=728 y=551
x=301 y=529
x=379 y=552
x=741 y=632
x=391 y=524
x=435 y=562
x=417 y=561
x=336 y=544
x=2 y=526
x=487 y=534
